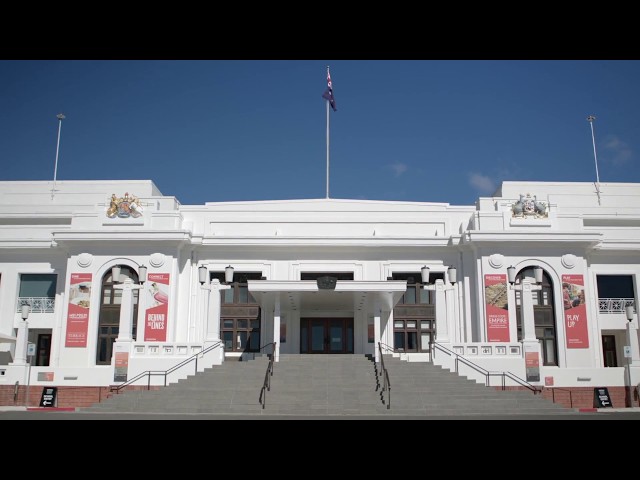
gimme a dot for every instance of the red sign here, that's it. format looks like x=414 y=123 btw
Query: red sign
x=78 y=311
x=495 y=297
x=157 y=301
x=121 y=364
x=575 y=311
x=532 y=365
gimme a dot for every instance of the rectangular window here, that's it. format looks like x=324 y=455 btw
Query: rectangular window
x=241 y=335
x=38 y=285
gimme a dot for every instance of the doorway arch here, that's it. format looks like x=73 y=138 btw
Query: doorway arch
x=543 y=315
x=109 y=316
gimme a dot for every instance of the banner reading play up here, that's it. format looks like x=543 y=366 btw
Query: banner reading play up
x=157 y=303
x=575 y=311
x=497 y=308
x=78 y=311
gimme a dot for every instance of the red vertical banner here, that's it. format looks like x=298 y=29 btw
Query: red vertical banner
x=157 y=307
x=497 y=307
x=78 y=310
x=121 y=366
x=532 y=363
x=575 y=311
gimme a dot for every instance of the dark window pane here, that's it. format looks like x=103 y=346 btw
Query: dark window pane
x=227 y=295
x=398 y=340
x=615 y=286
x=254 y=341
x=227 y=338
x=412 y=340
x=303 y=338
x=425 y=296
x=242 y=341
x=37 y=285
x=410 y=295
x=102 y=350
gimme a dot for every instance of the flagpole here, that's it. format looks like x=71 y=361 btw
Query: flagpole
x=60 y=117
x=327 y=147
x=590 y=119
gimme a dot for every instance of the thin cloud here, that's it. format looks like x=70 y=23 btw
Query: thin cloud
x=482 y=183
x=619 y=152
x=398 y=168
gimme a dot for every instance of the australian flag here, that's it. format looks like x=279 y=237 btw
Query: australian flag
x=328 y=93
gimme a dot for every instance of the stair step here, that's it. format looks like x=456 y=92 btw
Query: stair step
x=328 y=385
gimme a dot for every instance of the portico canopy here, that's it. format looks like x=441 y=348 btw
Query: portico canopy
x=348 y=295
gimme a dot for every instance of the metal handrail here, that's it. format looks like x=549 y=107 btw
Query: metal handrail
x=553 y=395
x=266 y=385
x=385 y=377
x=150 y=373
x=488 y=374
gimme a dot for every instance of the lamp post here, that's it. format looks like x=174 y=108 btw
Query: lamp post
x=530 y=343
x=60 y=117
x=630 y=311
x=25 y=309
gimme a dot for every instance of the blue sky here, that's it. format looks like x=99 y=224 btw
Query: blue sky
x=405 y=130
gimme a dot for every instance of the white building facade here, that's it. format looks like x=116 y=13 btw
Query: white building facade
x=534 y=287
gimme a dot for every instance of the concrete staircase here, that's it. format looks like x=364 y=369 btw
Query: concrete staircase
x=319 y=385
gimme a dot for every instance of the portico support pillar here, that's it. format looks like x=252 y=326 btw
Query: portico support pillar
x=377 y=318
x=213 y=313
x=276 y=330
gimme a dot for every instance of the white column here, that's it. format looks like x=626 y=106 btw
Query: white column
x=442 y=323
x=526 y=289
x=276 y=329
x=529 y=341
x=141 y=308
x=22 y=341
x=377 y=318
x=213 y=313
x=126 y=309
x=449 y=294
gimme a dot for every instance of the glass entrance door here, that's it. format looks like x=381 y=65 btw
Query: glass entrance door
x=326 y=335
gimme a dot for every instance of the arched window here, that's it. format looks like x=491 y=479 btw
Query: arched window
x=543 y=315
x=109 y=319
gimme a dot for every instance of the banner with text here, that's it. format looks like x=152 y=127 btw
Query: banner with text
x=121 y=366
x=78 y=311
x=575 y=311
x=497 y=308
x=532 y=363
x=157 y=302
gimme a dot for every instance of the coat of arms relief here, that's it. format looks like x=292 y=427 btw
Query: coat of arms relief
x=124 y=207
x=530 y=207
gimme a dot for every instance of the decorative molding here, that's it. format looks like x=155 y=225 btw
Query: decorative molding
x=569 y=260
x=85 y=259
x=496 y=260
x=157 y=260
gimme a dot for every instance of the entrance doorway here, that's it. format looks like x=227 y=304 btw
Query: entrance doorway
x=326 y=335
